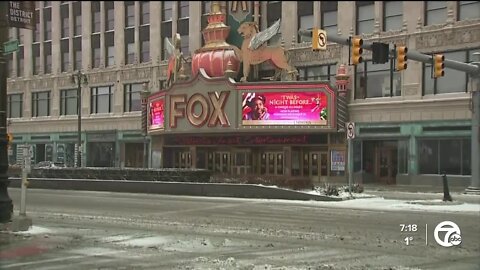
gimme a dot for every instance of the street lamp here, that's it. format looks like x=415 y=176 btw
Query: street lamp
x=144 y=95
x=79 y=78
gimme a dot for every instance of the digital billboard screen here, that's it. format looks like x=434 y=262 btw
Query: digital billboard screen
x=284 y=108
x=157 y=114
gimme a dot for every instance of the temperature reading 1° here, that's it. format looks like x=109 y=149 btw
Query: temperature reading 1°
x=408 y=239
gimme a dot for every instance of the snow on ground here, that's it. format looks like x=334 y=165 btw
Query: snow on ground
x=378 y=203
x=33 y=230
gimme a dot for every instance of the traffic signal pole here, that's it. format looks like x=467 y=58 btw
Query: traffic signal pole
x=6 y=205
x=472 y=69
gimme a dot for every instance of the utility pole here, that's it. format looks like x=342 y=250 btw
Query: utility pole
x=145 y=93
x=79 y=78
x=475 y=165
x=6 y=205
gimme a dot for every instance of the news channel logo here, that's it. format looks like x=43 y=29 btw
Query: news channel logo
x=452 y=235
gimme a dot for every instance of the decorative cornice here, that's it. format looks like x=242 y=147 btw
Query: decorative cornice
x=304 y=56
x=467 y=36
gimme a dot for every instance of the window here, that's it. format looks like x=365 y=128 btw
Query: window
x=144 y=44
x=40 y=104
x=15 y=106
x=64 y=44
x=102 y=99
x=47 y=24
x=274 y=12
x=110 y=49
x=65 y=21
x=36 y=33
x=435 y=12
x=11 y=33
x=167 y=10
x=129 y=13
x=329 y=17
x=96 y=51
x=77 y=56
x=205 y=11
x=183 y=30
x=10 y=65
x=20 y=61
x=162 y=84
x=374 y=81
x=183 y=11
x=317 y=73
x=36 y=59
x=305 y=19
x=21 y=36
x=468 y=10
x=68 y=102
x=47 y=3
x=129 y=46
x=365 y=17
x=77 y=15
x=392 y=15
x=110 y=16
x=166 y=32
x=453 y=81
x=47 y=50
x=145 y=11
x=132 y=98
x=96 y=15
x=450 y=156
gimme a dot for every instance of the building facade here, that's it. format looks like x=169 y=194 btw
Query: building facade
x=408 y=133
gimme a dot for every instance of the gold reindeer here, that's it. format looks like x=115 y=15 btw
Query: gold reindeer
x=255 y=51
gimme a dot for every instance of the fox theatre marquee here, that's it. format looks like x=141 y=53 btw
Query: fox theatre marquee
x=262 y=128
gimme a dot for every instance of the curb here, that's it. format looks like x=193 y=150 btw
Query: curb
x=173 y=188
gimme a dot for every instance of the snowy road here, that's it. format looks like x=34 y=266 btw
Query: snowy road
x=101 y=230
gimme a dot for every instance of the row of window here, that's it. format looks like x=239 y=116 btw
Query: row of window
x=450 y=156
x=109 y=37
x=435 y=13
x=101 y=99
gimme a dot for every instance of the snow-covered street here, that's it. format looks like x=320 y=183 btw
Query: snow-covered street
x=103 y=230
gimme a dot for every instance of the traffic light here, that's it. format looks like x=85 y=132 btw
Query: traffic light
x=402 y=58
x=357 y=50
x=9 y=138
x=438 y=65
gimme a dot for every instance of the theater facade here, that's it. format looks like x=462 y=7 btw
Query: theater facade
x=253 y=128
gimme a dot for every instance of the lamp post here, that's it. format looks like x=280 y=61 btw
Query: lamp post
x=144 y=95
x=79 y=78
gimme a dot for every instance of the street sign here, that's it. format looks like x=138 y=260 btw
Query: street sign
x=319 y=39
x=350 y=130
x=21 y=14
x=10 y=46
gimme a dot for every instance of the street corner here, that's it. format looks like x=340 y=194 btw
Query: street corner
x=435 y=202
x=34 y=242
x=17 y=224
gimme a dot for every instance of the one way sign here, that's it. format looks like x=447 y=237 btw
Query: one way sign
x=350 y=130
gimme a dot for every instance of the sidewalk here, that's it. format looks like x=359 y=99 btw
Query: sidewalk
x=408 y=192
